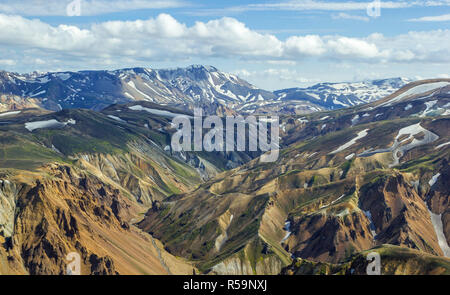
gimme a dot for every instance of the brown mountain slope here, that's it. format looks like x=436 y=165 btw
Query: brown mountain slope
x=394 y=261
x=346 y=182
x=13 y=102
x=61 y=210
x=80 y=188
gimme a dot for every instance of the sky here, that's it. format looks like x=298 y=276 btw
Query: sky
x=273 y=44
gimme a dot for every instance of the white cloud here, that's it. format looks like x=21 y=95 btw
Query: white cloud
x=352 y=47
x=7 y=62
x=344 y=15
x=281 y=62
x=437 y=18
x=283 y=75
x=305 y=45
x=165 y=39
x=88 y=7
x=343 y=5
x=420 y=46
x=309 y=5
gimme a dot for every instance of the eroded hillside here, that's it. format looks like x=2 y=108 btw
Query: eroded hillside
x=108 y=186
x=348 y=181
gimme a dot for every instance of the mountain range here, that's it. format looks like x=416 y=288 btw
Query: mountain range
x=185 y=88
x=338 y=95
x=101 y=179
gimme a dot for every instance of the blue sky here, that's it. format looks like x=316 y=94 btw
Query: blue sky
x=273 y=44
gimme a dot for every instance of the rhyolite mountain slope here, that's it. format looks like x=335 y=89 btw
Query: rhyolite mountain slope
x=107 y=185
x=346 y=181
x=394 y=261
x=77 y=181
x=14 y=102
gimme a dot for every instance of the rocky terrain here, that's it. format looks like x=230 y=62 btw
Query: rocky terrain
x=395 y=261
x=107 y=185
x=77 y=181
x=347 y=181
x=13 y=103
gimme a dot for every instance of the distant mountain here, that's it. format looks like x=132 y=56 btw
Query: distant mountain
x=186 y=87
x=339 y=95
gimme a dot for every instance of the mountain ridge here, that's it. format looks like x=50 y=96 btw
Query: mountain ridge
x=185 y=88
x=344 y=94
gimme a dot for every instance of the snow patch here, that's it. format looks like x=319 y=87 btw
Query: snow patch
x=338 y=199
x=434 y=179
x=116 y=118
x=360 y=135
x=47 y=124
x=333 y=202
x=416 y=91
x=442 y=145
x=10 y=113
x=156 y=111
x=287 y=228
x=132 y=85
x=399 y=148
x=63 y=76
x=371 y=225
x=429 y=105
x=55 y=149
x=128 y=95
x=39 y=93
x=349 y=157
x=436 y=220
